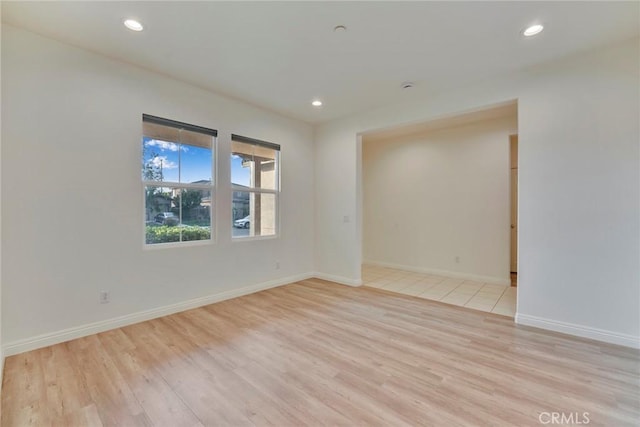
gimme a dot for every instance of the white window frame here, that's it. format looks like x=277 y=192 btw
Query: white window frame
x=256 y=190
x=210 y=187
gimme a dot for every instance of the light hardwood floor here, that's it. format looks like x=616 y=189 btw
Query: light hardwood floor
x=317 y=353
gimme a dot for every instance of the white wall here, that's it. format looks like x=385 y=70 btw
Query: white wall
x=579 y=183
x=437 y=195
x=72 y=197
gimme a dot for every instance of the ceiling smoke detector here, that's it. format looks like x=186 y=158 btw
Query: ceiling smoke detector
x=407 y=85
x=339 y=29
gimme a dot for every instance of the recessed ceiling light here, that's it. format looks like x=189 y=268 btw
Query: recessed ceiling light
x=339 y=29
x=407 y=85
x=533 y=30
x=316 y=103
x=133 y=25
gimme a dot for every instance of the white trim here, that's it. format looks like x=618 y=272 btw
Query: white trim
x=183 y=244
x=242 y=188
x=446 y=273
x=579 y=330
x=178 y=185
x=51 y=338
x=235 y=239
x=1 y=369
x=338 y=279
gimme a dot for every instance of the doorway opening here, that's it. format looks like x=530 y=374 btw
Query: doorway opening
x=436 y=209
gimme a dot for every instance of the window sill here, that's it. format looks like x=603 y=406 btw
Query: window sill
x=155 y=246
x=253 y=238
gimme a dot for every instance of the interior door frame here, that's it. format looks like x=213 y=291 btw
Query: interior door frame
x=513 y=211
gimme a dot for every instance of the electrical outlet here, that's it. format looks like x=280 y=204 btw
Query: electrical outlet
x=277 y=265
x=104 y=297
x=457 y=259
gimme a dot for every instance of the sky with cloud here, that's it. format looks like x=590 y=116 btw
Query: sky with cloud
x=187 y=163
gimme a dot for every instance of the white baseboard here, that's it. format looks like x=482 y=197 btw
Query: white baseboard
x=446 y=273
x=45 y=340
x=579 y=330
x=338 y=279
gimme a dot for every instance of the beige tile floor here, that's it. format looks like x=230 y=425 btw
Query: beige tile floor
x=497 y=299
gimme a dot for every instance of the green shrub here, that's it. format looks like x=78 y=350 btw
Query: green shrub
x=195 y=233
x=167 y=234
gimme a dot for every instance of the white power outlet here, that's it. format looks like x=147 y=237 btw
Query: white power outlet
x=277 y=265
x=104 y=297
x=457 y=259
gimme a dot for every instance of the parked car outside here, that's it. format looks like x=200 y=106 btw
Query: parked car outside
x=167 y=218
x=243 y=223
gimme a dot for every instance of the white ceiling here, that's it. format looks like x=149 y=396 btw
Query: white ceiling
x=281 y=55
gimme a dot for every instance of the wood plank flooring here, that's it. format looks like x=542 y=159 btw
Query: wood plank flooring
x=317 y=353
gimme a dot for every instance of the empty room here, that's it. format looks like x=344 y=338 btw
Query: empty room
x=320 y=213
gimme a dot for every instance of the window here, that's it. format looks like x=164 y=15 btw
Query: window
x=177 y=175
x=255 y=179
